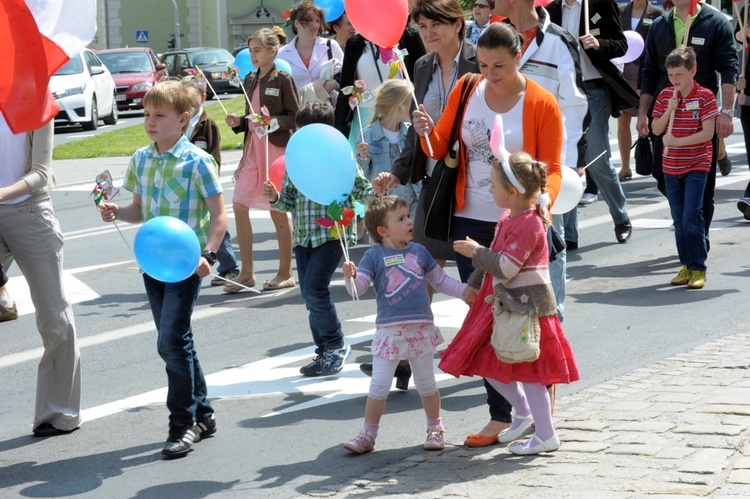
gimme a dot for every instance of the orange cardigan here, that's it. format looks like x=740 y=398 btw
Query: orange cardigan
x=542 y=135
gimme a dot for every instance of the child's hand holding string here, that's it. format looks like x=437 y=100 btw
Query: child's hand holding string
x=350 y=270
x=470 y=294
x=466 y=247
x=270 y=192
x=362 y=151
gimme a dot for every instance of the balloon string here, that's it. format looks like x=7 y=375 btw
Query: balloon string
x=594 y=160
x=266 y=146
x=405 y=75
x=235 y=283
x=247 y=98
x=345 y=249
x=361 y=130
x=217 y=97
x=121 y=234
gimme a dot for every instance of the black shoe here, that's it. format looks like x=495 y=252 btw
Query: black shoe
x=725 y=166
x=47 y=430
x=402 y=374
x=743 y=204
x=181 y=439
x=206 y=426
x=571 y=245
x=623 y=231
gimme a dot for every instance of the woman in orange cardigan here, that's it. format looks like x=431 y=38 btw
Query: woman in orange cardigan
x=532 y=121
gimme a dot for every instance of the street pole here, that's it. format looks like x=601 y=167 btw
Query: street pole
x=177 y=44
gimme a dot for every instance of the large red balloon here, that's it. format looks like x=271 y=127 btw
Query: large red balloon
x=276 y=172
x=380 y=21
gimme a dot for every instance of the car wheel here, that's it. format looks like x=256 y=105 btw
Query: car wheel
x=94 y=123
x=112 y=118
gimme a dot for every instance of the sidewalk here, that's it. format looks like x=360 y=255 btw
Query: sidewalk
x=676 y=428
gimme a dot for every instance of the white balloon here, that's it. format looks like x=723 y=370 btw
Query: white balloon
x=571 y=190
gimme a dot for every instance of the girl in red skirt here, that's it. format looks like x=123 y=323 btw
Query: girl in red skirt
x=515 y=271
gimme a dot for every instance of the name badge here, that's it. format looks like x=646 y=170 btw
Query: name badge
x=596 y=18
x=272 y=91
x=647 y=21
x=692 y=105
x=594 y=32
x=202 y=144
x=390 y=261
x=698 y=41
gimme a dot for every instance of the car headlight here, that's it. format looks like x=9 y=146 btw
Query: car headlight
x=215 y=76
x=146 y=85
x=70 y=91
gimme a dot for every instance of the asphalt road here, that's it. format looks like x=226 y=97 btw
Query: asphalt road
x=280 y=435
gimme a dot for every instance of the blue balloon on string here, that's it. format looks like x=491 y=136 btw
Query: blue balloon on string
x=243 y=63
x=283 y=65
x=332 y=9
x=167 y=249
x=320 y=163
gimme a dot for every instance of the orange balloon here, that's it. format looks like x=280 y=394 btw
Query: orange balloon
x=276 y=172
x=382 y=21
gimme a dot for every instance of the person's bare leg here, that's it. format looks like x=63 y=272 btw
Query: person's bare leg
x=624 y=143
x=284 y=236
x=245 y=241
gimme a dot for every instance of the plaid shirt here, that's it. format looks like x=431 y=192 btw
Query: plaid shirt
x=175 y=184
x=305 y=211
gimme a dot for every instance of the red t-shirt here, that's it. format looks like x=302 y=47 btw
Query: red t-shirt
x=692 y=110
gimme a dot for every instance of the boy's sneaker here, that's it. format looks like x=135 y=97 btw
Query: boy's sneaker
x=364 y=442
x=229 y=274
x=181 y=439
x=683 y=277
x=743 y=204
x=314 y=368
x=697 y=279
x=435 y=438
x=206 y=426
x=333 y=360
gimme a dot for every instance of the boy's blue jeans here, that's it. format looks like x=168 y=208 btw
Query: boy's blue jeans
x=685 y=195
x=172 y=307
x=315 y=267
x=225 y=256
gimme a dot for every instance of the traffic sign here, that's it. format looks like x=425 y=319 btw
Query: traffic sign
x=141 y=36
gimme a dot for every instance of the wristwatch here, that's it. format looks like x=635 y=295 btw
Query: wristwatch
x=728 y=112
x=210 y=256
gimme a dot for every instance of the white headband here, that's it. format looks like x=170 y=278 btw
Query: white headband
x=512 y=177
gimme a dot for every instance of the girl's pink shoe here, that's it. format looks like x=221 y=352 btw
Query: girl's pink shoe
x=435 y=438
x=364 y=442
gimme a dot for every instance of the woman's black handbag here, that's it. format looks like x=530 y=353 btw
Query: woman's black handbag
x=440 y=187
x=644 y=156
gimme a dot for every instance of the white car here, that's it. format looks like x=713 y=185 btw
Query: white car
x=85 y=92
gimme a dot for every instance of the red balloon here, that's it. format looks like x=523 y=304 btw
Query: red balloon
x=380 y=21
x=276 y=172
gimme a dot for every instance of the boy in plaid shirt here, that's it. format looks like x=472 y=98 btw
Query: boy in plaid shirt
x=172 y=177
x=317 y=254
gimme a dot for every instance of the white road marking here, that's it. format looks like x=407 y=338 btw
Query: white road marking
x=270 y=376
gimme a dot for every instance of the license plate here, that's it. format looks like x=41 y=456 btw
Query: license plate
x=120 y=97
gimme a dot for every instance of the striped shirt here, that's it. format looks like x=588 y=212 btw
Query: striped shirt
x=305 y=212
x=698 y=106
x=175 y=183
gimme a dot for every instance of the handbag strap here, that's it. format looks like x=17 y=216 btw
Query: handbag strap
x=469 y=84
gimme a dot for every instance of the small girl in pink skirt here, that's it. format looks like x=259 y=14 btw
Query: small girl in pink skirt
x=272 y=89
x=515 y=271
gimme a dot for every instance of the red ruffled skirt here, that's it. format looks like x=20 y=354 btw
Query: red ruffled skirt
x=471 y=353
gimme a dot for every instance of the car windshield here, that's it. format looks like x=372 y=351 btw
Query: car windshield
x=126 y=62
x=72 y=67
x=212 y=58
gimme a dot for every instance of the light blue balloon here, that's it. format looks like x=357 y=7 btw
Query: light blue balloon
x=283 y=65
x=320 y=163
x=167 y=249
x=243 y=63
x=332 y=9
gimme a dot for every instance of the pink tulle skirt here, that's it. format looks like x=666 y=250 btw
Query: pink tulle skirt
x=471 y=353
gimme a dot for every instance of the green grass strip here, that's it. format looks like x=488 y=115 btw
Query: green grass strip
x=125 y=141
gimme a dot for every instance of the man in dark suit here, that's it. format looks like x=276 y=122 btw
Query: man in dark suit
x=608 y=93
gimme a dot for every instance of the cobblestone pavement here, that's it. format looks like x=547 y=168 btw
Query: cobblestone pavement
x=676 y=428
